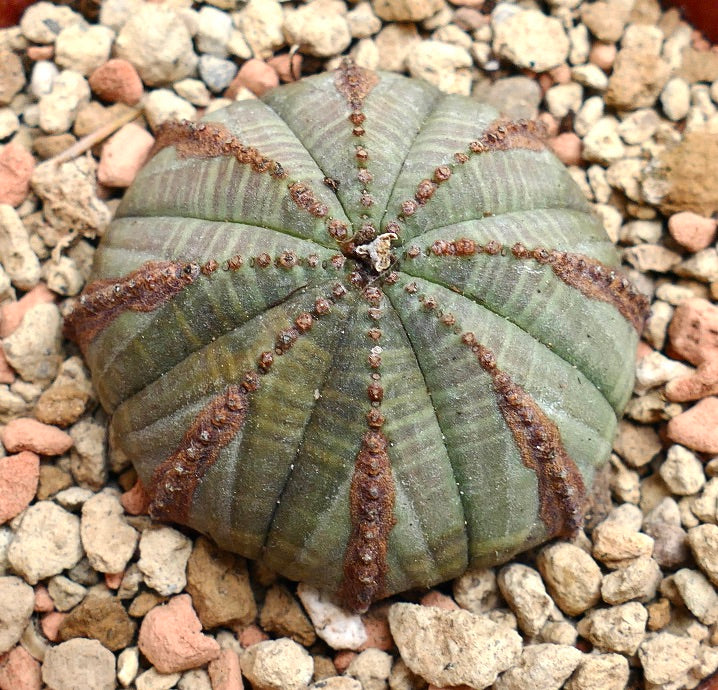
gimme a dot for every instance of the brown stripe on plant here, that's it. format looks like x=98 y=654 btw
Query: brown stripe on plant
x=592 y=278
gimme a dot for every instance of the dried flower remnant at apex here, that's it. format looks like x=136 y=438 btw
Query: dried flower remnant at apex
x=307 y=358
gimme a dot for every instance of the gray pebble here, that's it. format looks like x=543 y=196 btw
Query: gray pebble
x=65 y=593
x=216 y=73
x=79 y=663
x=515 y=97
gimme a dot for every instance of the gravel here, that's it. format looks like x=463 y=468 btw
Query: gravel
x=92 y=592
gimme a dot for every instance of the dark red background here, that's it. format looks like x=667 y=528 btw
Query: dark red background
x=703 y=14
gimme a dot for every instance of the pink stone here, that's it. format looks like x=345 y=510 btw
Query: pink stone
x=342 y=660
x=288 y=69
x=550 y=122
x=43 y=600
x=50 y=625
x=16 y=166
x=19 y=475
x=135 y=501
x=376 y=624
x=124 y=153
x=114 y=580
x=468 y=3
x=692 y=231
x=697 y=427
x=224 y=672
x=117 y=81
x=439 y=600
x=25 y=433
x=11 y=313
x=561 y=74
x=693 y=332
x=693 y=335
x=545 y=81
x=7 y=374
x=603 y=55
x=19 y=671
x=643 y=350
x=567 y=147
x=251 y=634
x=40 y=52
x=701 y=384
x=171 y=637
x=255 y=75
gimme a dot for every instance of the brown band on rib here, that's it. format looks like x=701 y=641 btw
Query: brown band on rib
x=371 y=505
x=212 y=140
x=562 y=493
x=305 y=198
x=354 y=83
x=371 y=496
x=505 y=135
x=142 y=290
x=175 y=480
x=500 y=135
x=593 y=280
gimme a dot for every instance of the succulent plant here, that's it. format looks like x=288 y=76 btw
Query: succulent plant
x=365 y=332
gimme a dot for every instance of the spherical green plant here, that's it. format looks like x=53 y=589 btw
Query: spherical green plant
x=361 y=330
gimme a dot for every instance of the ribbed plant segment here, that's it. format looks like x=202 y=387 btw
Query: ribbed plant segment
x=363 y=331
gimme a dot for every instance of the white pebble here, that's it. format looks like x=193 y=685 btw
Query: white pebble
x=164 y=553
x=337 y=627
x=162 y=105
x=638 y=580
x=564 y=98
x=530 y=39
x=526 y=594
x=16 y=604
x=108 y=540
x=452 y=647
x=83 y=48
x=128 y=664
x=682 y=471
x=616 y=629
x=47 y=542
x=277 y=665
x=58 y=109
x=591 y=76
x=676 y=98
x=602 y=144
x=542 y=666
